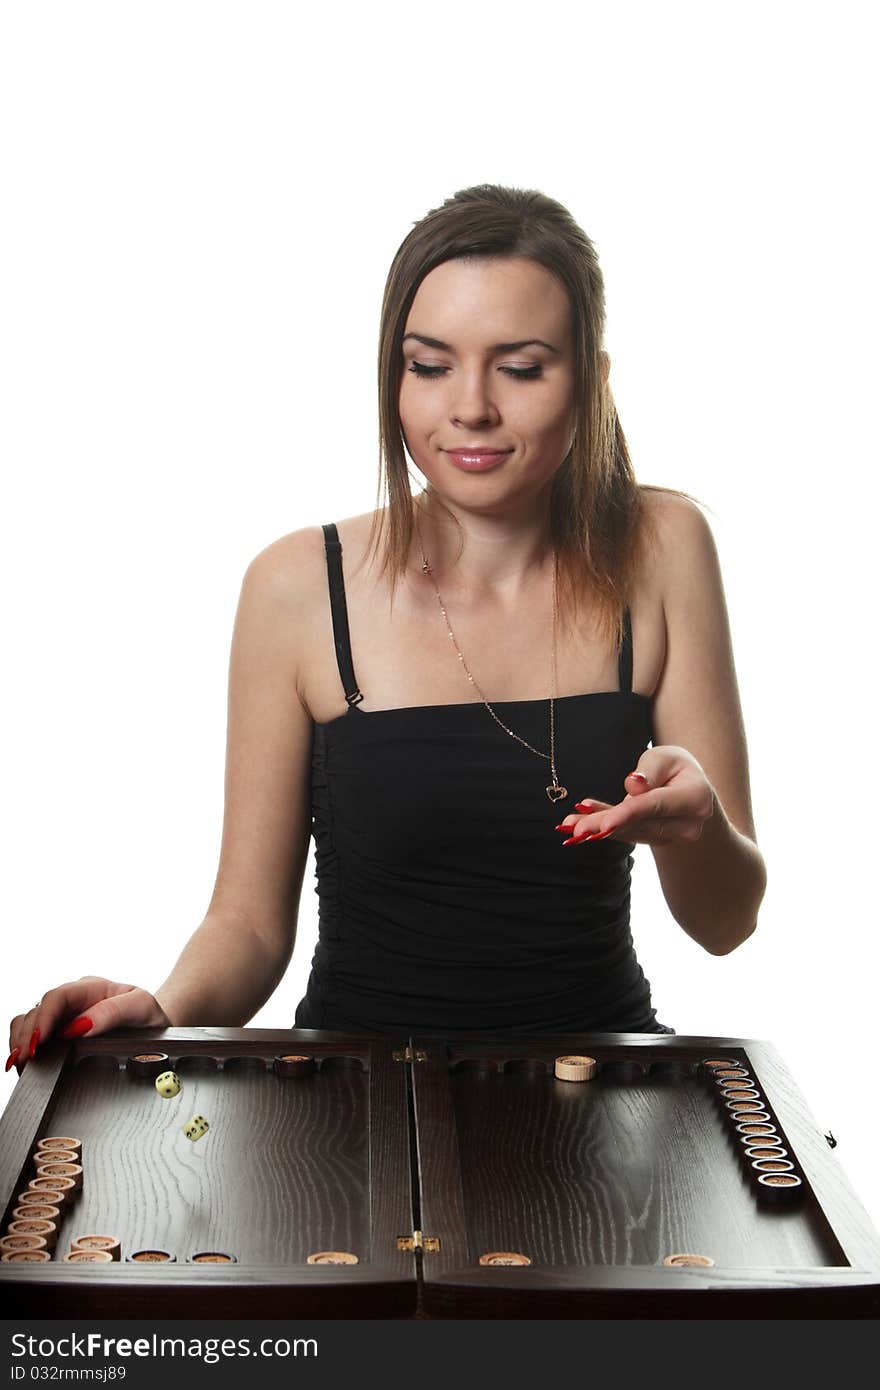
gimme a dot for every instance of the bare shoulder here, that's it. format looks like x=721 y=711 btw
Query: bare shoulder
x=292 y=570
x=285 y=604
x=680 y=547
x=285 y=571
x=672 y=516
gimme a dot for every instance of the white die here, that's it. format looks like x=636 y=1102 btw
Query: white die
x=196 y=1127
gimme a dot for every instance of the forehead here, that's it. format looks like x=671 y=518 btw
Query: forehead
x=493 y=300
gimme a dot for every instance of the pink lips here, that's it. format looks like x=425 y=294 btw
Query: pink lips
x=477 y=461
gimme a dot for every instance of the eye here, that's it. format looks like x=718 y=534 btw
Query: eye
x=524 y=373
x=419 y=369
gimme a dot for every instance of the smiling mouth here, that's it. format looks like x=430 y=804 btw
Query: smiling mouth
x=476 y=460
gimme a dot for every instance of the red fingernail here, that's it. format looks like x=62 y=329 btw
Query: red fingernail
x=35 y=1039
x=605 y=833
x=584 y=806
x=77 y=1028
x=13 y=1057
x=579 y=839
x=564 y=828
x=639 y=777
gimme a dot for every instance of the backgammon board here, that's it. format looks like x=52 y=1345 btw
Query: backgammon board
x=602 y=1175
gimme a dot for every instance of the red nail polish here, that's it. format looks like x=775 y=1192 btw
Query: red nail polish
x=564 y=828
x=579 y=839
x=13 y=1058
x=77 y=1028
x=639 y=777
x=586 y=806
x=35 y=1042
x=605 y=833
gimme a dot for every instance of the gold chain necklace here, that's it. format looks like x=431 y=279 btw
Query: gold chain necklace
x=555 y=792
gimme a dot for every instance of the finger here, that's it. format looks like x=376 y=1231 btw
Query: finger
x=648 y=831
x=15 y=1030
x=21 y=1037
x=134 y=1008
x=581 y=837
x=77 y=1028
x=588 y=807
x=659 y=803
x=656 y=767
x=628 y=816
x=58 y=1007
x=636 y=783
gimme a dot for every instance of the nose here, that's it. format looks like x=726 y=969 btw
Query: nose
x=472 y=404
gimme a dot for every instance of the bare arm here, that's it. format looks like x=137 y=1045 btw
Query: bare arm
x=715 y=884
x=234 y=960
x=689 y=797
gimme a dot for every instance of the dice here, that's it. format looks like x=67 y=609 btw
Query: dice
x=168 y=1084
x=196 y=1127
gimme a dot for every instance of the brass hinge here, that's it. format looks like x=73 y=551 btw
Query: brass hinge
x=417 y=1241
x=407 y=1055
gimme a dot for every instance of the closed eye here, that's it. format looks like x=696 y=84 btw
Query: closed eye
x=520 y=373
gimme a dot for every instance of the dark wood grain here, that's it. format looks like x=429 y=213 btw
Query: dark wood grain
x=284 y=1172
x=594 y=1182
x=599 y=1179
x=835 y=1199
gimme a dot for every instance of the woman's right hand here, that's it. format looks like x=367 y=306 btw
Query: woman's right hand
x=90 y=1006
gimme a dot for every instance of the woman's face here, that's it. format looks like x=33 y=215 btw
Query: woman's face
x=488 y=364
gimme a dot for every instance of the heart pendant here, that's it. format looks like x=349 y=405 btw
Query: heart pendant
x=556 y=793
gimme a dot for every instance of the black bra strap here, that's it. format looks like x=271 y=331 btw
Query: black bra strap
x=625 y=659
x=339 y=612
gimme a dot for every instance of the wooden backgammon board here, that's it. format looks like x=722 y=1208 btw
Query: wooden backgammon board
x=359 y=1177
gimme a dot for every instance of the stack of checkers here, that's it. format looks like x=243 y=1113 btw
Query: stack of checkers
x=758 y=1139
x=41 y=1205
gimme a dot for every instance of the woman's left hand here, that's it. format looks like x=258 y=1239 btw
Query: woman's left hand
x=668 y=800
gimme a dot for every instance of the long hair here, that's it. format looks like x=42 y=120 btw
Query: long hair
x=598 y=518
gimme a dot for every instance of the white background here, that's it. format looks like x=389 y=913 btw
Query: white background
x=201 y=202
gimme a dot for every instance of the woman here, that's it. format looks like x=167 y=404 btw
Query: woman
x=457 y=692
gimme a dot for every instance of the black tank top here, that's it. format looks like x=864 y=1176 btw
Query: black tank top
x=447 y=904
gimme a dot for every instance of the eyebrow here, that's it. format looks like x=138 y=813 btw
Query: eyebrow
x=499 y=347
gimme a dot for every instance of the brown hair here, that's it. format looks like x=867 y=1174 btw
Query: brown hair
x=598 y=519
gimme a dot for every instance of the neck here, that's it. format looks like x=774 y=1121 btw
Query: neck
x=479 y=554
